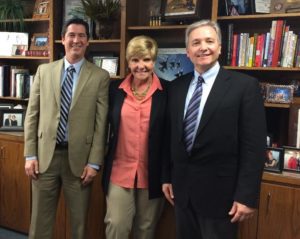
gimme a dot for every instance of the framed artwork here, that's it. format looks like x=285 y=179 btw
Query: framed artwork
x=39 y=41
x=279 y=93
x=261 y=6
x=180 y=9
x=291 y=159
x=274 y=160
x=108 y=63
x=172 y=63
x=285 y=6
x=41 y=9
x=12 y=119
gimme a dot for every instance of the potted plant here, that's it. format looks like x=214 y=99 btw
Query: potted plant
x=104 y=13
x=12 y=10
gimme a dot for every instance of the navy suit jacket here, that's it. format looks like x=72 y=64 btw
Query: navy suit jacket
x=156 y=136
x=227 y=158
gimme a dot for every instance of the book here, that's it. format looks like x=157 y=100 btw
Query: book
x=234 y=49
x=277 y=43
x=272 y=41
x=229 y=43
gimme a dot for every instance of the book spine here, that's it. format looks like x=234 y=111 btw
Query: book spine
x=229 y=43
x=272 y=41
x=277 y=43
x=234 y=49
x=266 y=51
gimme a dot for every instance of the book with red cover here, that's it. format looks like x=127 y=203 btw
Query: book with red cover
x=277 y=43
x=234 y=49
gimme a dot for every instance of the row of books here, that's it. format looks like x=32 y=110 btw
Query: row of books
x=280 y=47
x=15 y=81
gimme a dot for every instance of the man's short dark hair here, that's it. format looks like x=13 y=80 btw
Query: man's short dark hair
x=78 y=21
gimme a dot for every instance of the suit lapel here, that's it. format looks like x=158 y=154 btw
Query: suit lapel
x=83 y=78
x=56 y=79
x=217 y=93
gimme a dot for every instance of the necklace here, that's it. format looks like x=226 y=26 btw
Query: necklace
x=141 y=95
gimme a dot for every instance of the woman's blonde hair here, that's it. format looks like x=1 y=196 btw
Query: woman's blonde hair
x=141 y=46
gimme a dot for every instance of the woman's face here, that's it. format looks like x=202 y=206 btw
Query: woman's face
x=141 y=67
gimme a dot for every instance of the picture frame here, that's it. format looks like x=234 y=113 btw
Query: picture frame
x=274 y=160
x=172 y=63
x=279 y=93
x=261 y=6
x=234 y=8
x=39 y=41
x=19 y=50
x=41 y=9
x=108 y=63
x=180 y=10
x=291 y=159
x=12 y=119
x=285 y=6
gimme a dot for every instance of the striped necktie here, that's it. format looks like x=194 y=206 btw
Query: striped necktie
x=190 y=120
x=65 y=103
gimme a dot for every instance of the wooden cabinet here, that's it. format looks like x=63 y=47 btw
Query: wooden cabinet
x=14 y=184
x=279 y=208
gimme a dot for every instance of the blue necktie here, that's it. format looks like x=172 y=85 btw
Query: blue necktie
x=65 y=103
x=190 y=120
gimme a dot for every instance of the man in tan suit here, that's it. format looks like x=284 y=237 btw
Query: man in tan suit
x=71 y=162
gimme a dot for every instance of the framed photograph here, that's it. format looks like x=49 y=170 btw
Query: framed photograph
x=39 y=41
x=274 y=160
x=19 y=50
x=279 y=93
x=172 y=63
x=180 y=9
x=108 y=63
x=285 y=6
x=41 y=9
x=261 y=6
x=291 y=159
x=12 y=119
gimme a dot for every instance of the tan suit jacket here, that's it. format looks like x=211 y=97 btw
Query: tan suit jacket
x=87 y=116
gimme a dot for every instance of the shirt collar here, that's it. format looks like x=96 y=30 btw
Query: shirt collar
x=209 y=74
x=76 y=65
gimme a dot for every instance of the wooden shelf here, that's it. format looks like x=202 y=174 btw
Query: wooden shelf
x=155 y=28
x=28 y=20
x=262 y=68
x=276 y=105
x=13 y=100
x=92 y=41
x=284 y=178
x=26 y=57
x=259 y=16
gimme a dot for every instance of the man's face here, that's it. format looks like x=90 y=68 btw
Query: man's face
x=203 y=48
x=75 y=41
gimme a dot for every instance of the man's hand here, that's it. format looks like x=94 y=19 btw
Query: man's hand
x=240 y=212
x=32 y=168
x=168 y=191
x=88 y=175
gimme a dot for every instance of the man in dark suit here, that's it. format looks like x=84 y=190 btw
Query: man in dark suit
x=65 y=128
x=213 y=177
